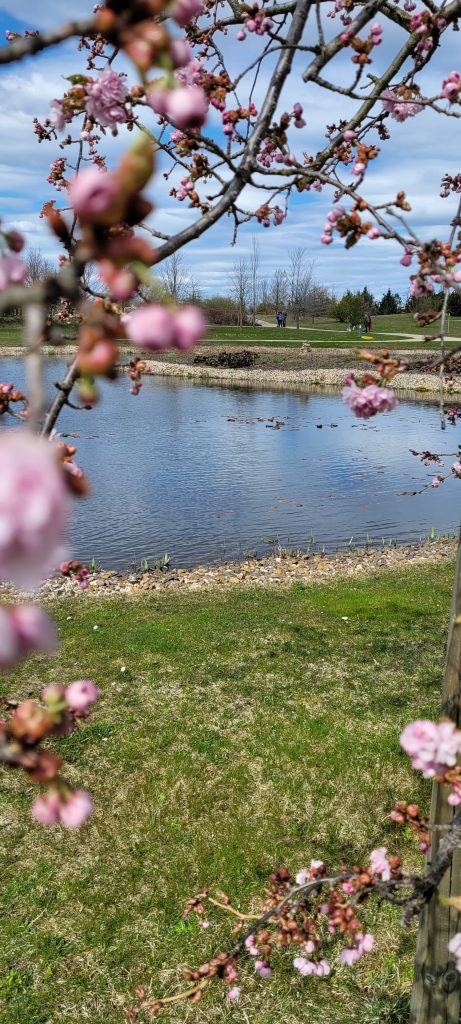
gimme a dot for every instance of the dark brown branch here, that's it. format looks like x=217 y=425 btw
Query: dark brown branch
x=248 y=163
x=425 y=887
x=61 y=399
x=34 y=44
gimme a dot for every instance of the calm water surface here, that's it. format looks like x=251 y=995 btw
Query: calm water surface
x=200 y=472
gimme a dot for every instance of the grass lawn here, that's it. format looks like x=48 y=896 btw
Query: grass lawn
x=394 y=323
x=250 y=728
x=273 y=335
x=387 y=332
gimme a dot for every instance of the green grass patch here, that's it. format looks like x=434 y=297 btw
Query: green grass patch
x=249 y=728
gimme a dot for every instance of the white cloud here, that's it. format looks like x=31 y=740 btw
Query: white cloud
x=46 y=13
x=419 y=152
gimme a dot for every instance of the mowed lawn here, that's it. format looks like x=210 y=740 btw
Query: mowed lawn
x=387 y=331
x=248 y=729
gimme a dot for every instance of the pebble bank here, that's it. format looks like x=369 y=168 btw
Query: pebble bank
x=281 y=569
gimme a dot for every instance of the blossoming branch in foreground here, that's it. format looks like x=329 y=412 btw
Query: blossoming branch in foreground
x=368 y=401
x=32 y=723
x=34 y=509
x=432 y=747
x=154 y=327
x=23 y=629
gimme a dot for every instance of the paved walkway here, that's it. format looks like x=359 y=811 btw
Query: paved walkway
x=350 y=334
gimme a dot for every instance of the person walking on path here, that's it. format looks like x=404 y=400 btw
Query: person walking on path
x=279 y=318
x=367 y=322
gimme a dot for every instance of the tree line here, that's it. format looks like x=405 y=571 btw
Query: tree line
x=253 y=295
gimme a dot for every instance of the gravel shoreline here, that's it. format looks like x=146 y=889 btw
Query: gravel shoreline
x=303 y=378
x=419 y=383
x=280 y=569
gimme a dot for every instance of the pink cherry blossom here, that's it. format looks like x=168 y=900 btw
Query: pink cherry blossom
x=250 y=945
x=190 y=73
x=81 y=695
x=431 y=747
x=75 y=810
x=34 y=509
x=398 y=108
x=307 y=967
x=456 y=469
x=12 y=271
x=151 y=327
x=189 y=325
x=105 y=98
x=379 y=864
x=57 y=116
x=45 y=809
x=363 y=944
x=187 y=107
x=349 y=956
x=406 y=259
x=122 y=283
x=454 y=947
x=92 y=192
x=157 y=98
x=451 y=86
x=366 y=402
x=455 y=796
x=24 y=628
x=182 y=11
x=233 y=994
x=180 y=52
x=303 y=965
x=263 y=968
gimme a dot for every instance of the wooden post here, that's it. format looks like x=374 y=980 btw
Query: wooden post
x=436 y=994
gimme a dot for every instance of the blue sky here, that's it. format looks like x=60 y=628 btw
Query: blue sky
x=421 y=150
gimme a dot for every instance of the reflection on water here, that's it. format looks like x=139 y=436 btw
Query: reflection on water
x=208 y=473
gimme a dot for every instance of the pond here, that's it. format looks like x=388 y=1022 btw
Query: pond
x=211 y=473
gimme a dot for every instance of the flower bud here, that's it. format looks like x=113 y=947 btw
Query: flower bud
x=81 y=695
x=151 y=327
x=30 y=723
x=189 y=325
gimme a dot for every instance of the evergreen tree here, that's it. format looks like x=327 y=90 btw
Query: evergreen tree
x=388 y=304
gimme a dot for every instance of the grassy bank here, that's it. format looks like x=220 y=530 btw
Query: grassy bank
x=248 y=729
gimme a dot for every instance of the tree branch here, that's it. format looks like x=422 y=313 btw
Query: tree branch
x=34 y=44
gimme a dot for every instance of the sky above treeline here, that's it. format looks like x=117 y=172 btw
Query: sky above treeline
x=421 y=150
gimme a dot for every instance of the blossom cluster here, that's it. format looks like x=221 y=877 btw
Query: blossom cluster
x=31 y=723
x=432 y=747
x=401 y=102
x=301 y=915
x=369 y=400
x=154 y=327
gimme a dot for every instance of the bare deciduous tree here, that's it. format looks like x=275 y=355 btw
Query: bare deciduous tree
x=254 y=263
x=174 y=277
x=38 y=267
x=279 y=289
x=240 y=280
x=299 y=282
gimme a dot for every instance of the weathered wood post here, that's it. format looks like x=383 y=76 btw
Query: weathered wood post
x=436 y=994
